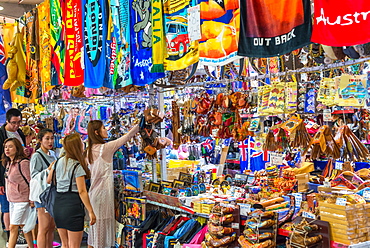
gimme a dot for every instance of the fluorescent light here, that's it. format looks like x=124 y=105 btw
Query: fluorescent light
x=1 y=8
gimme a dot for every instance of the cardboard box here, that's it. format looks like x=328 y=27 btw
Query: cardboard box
x=303 y=180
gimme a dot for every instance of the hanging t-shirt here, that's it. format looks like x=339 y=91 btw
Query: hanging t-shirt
x=341 y=22
x=74 y=74
x=95 y=35
x=141 y=38
x=269 y=28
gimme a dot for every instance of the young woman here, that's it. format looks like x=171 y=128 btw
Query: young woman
x=100 y=156
x=70 y=173
x=17 y=177
x=40 y=163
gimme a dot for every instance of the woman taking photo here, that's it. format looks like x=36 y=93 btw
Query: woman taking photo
x=100 y=157
x=17 y=177
x=70 y=173
x=40 y=163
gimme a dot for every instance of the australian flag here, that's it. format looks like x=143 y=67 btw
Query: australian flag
x=251 y=155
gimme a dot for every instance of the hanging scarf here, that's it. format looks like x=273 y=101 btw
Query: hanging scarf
x=273 y=27
x=44 y=45
x=141 y=36
x=220 y=31
x=95 y=35
x=181 y=52
x=158 y=39
x=56 y=42
x=74 y=74
x=122 y=76
x=341 y=23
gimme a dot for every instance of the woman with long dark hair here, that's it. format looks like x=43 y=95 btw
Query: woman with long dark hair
x=100 y=157
x=17 y=177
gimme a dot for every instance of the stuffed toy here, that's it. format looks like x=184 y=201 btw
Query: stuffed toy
x=12 y=70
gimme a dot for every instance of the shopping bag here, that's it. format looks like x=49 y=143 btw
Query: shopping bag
x=47 y=198
x=31 y=220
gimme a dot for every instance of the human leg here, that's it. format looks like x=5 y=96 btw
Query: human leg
x=29 y=239
x=63 y=234
x=13 y=236
x=45 y=223
x=75 y=239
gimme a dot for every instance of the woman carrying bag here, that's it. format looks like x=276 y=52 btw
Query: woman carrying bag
x=17 y=177
x=69 y=173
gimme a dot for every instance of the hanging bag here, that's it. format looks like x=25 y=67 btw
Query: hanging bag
x=47 y=197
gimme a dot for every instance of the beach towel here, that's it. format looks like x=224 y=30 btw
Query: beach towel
x=44 y=46
x=56 y=43
x=158 y=38
x=95 y=35
x=141 y=38
x=8 y=32
x=113 y=37
x=74 y=74
x=270 y=28
x=341 y=22
x=122 y=76
x=220 y=31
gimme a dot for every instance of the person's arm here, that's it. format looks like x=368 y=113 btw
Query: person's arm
x=25 y=167
x=50 y=176
x=112 y=146
x=81 y=186
x=36 y=164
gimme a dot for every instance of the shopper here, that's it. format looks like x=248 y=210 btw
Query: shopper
x=17 y=177
x=100 y=157
x=30 y=134
x=9 y=130
x=71 y=171
x=40 y=163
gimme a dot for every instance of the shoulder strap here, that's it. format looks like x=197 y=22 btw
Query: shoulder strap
x=20 y=171
x=73 y=172
x=43 y=158
x=54 y=178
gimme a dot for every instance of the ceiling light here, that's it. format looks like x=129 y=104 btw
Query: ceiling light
x=1 y=8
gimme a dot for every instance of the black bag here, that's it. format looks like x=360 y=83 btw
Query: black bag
x=47 y=197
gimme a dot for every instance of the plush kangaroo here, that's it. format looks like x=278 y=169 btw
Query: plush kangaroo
x=12 y=70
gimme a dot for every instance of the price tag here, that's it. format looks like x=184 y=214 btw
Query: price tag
x=235 y=225
x=341 y=201
x=276 y=158
x=338 y=165
x=308 y=215
x=244 y=209
x=132 y=162
x=366 y=195
x=327 y=115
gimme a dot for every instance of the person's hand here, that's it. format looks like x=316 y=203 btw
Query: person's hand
x=2 y=190
x=32 y=204
x=92 y=218
x=26 y=152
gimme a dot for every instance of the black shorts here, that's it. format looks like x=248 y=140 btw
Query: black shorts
x=69 y=211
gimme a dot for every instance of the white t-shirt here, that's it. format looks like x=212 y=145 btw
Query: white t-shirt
x=14 y=135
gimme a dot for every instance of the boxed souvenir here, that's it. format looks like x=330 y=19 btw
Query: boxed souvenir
x=303 y=180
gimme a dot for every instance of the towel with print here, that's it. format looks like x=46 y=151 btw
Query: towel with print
x=74 y=74
x=341 y=23
x=141 y=37
x=56 y=43
x=220 y=31
x=94 y=21
x=269 y=28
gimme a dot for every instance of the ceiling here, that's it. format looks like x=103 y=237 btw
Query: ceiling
x=14 y=10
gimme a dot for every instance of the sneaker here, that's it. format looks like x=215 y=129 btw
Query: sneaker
x=56 y=244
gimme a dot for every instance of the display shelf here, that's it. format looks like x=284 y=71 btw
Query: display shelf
x=179 y=209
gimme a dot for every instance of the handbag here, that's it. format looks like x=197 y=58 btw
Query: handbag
x=47 y=197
